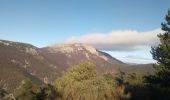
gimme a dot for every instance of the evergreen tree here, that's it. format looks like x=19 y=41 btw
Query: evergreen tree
x=161 y=54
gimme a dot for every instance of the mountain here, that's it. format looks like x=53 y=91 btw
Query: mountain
x=67 y=55
x=19 y=61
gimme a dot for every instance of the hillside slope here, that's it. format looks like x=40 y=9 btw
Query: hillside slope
x=66 y=55
x=19 y=61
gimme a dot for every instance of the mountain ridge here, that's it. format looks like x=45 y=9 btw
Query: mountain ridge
x=20 y=61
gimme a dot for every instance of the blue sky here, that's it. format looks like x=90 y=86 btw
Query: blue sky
x=46 y=22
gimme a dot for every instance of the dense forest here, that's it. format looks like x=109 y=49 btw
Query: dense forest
x=83 y=82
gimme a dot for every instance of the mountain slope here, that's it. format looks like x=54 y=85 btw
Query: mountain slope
x=67 y=55
x=19 y=61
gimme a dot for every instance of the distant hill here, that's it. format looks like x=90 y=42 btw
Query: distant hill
x=19 y=61
x=138 y=68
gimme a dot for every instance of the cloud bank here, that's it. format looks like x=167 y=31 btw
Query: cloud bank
x=121 y=40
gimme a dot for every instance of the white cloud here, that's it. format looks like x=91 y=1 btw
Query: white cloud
x=120 y=40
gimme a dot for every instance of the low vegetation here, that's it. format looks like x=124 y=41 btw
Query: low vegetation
x=82 y=82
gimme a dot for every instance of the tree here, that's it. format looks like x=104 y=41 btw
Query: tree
x=82 y=82
x=6 y=96
x=48 y=92
x=161 y=54
x=2 y=93
x=29 y=91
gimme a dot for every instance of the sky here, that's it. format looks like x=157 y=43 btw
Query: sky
x=126 y=29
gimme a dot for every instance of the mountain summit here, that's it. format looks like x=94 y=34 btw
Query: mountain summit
x=66 y=55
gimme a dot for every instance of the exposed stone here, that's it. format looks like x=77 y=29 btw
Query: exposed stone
x=31 y=51
x=46 y=80
x=90 y=49
x=87 y=56
x=5 y=43
x=104 y=57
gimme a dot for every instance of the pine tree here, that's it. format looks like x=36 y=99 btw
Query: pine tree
x=161 y=54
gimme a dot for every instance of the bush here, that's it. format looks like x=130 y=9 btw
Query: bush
x=82 y=82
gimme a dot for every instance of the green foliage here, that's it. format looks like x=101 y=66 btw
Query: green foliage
x=135 y=86
x=120 y=78
x=82 y=82
x=49 y=92
x=161 y=54
x=159 y=84
x=29 y=91
x=6 y=96
x=2 y=93
x=135 y=79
